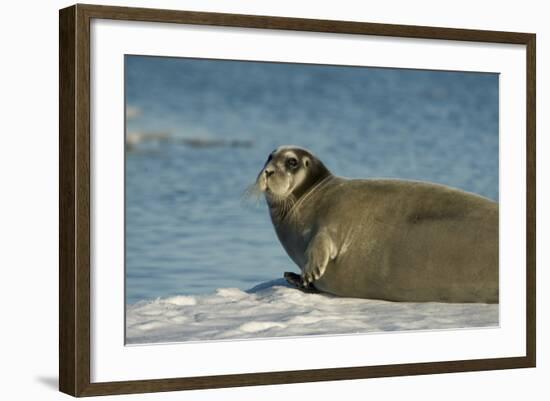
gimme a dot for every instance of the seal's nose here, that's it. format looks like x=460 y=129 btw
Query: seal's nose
x=268 y=172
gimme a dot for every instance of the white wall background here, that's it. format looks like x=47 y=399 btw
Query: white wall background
x=29 y=185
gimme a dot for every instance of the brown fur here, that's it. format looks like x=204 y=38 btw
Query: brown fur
x=392 y=239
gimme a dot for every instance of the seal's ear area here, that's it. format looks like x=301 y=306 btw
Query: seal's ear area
x=306 y=161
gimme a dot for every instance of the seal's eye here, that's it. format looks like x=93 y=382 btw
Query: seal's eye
x=292 y=162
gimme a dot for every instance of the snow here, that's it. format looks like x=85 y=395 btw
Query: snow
x=274 y=309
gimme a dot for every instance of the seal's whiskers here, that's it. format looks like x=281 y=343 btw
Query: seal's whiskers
x=252 y=193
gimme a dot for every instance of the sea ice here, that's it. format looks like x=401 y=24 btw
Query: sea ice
x=274 y=309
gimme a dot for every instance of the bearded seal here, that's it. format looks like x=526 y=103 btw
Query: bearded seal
x=389 y=239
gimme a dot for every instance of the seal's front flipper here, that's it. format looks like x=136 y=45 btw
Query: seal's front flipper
x=320 y=251
x=297 y=281
x=293 y=279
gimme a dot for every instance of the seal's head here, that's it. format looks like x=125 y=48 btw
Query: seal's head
x=289 y=173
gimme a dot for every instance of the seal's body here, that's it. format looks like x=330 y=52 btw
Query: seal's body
x=385 y=239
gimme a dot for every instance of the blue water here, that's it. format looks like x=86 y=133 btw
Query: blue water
x=188 y=230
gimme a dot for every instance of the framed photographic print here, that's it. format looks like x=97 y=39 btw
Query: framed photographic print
x=238 y=192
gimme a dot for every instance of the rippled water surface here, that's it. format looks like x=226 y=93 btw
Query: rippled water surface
x=199 y=131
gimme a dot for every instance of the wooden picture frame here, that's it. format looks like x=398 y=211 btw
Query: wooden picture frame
x=74 y=200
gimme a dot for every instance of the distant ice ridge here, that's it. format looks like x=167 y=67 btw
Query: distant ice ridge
x=274 y=309
x=133 y=139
